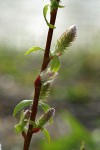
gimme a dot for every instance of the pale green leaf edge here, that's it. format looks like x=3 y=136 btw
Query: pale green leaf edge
x=21 y=105
x=44 y=106
x=25 y=103
x=33 y=49
x=47 y=135
x=45 y=9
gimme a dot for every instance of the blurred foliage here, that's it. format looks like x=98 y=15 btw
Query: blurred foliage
x=79 y=78
x=78 y=82
x=73 y=140
x=20 y=67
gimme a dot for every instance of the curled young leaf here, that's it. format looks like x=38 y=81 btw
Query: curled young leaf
x=21 y=105
x=33 y=49
x=47 y=135
x=44 y=106
x=55 y=5
x=45 y=10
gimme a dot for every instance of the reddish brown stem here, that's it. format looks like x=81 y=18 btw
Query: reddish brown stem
x=37 y=82
x=33 y=114
x=49 y=39
x=23 y=134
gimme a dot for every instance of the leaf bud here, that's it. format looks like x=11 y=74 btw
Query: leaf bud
x=25 y=116
x=48 y=75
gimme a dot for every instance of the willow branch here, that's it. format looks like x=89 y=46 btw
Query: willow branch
x=37 y=82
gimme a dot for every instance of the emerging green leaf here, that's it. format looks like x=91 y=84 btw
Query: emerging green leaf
x=19 y=128
x=45 y=9
x=55 y=64
x=33 y=49
x=21 y=105
x=55 y=5
x=47 y=135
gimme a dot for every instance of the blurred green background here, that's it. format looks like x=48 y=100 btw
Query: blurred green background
x=76 y=92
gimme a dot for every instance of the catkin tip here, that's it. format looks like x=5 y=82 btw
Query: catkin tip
x=73 y=28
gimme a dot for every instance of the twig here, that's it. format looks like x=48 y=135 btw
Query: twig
x=37 y=82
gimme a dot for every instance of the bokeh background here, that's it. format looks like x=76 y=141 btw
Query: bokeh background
x=76 y=92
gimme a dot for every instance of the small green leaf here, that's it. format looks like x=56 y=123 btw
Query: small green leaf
x=45 y=9
x=33 y=49
x=19 y=128
x=55 y=64
x=44 y=106
x=55 y=5
x=61 y=6
x=21 y=114
x=21 y=105
x=47 y=135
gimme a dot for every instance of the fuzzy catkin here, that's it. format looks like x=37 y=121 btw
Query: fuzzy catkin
x=65 y=40
x=45 y=89
x=47 y=77
x=46 y=117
